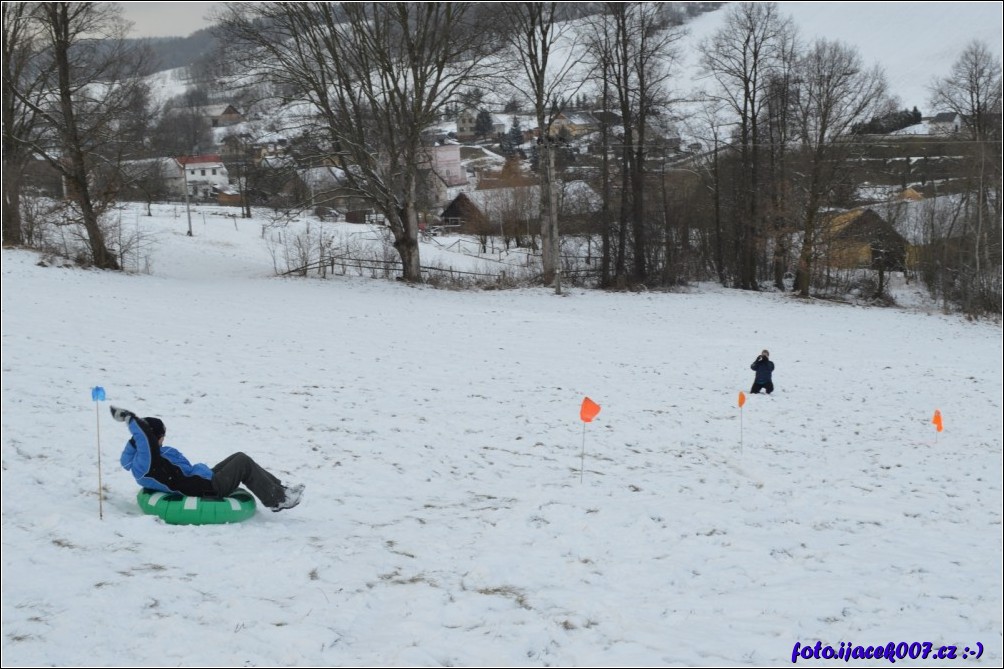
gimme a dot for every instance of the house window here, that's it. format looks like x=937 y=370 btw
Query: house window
x=214 y=171
x=203 y=173
x=193 y=172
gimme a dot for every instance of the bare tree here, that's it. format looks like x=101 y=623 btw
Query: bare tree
x=87 y=105
x=511 y=204
x=835 y=92
x=146 y=180
x=545 y=76
x=780 y=209
x=973 y=91
x=644 y=48
x=22 y=39
x=600 y=48
x=713 y=119
x=741 y=58
x=184 y=128
x=375 y=76
x=632 y=48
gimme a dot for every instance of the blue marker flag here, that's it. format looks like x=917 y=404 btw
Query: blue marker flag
x=98 y=395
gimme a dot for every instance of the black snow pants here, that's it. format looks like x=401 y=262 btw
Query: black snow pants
x=239 y=469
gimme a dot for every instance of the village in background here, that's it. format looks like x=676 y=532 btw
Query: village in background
x=902 y=193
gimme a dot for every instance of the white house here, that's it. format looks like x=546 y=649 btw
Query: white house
x=203 y=175
x=467 y=121
x=946 y=123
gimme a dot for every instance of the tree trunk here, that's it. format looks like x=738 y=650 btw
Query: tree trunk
x=638 y=210
x=620 y=265
x=553 y=230
x=778 y=259
x=607 y=194
x=547 y=240
x=719 y=241
x=752 y=236
x=408 y=250
x=803 y=273
x=77 y=169
x=407 y=245
x=803 y=276
x=13 y=234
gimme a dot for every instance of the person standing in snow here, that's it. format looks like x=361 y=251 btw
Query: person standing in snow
x=764 y=368
x=159 y=467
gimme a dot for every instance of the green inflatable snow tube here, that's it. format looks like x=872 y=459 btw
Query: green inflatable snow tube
x=178 y=509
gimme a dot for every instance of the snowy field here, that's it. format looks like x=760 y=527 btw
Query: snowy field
x=446 y=521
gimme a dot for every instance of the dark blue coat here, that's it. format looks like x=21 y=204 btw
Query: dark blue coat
x=162 y=467
x=763 y=368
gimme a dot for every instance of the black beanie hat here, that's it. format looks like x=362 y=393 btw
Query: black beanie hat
x=156 y=426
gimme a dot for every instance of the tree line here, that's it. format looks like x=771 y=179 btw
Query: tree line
x=783 y=126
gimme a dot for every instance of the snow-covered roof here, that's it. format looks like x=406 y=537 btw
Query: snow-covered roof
x=322 y=177
x=574 y=197
x=921 y=220
x=166 y=166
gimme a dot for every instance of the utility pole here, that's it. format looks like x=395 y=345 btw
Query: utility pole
x=188 y=206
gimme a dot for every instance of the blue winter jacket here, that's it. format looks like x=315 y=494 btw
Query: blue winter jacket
x=763 y=368
x=162 y=467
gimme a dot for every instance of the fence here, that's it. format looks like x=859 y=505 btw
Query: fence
x=375 y=267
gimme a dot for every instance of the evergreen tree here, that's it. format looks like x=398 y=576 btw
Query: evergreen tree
x=515 y=133
x=506 y=147
x=511 y=140
x=483 y=124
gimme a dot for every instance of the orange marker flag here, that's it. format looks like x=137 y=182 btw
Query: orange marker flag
x=587 y=413
x=742 y=401
x=937 y=420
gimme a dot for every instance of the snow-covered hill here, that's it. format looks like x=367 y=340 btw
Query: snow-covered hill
x=168 y=84
x=446 y=520
x=913 y=43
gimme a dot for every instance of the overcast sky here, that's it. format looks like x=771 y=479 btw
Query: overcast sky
x=166 y=19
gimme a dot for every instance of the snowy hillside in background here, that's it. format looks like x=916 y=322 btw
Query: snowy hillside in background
x=914 y=43
x=446 y=520
x=168 y=84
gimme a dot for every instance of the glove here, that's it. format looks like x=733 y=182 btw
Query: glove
x=122 y=415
